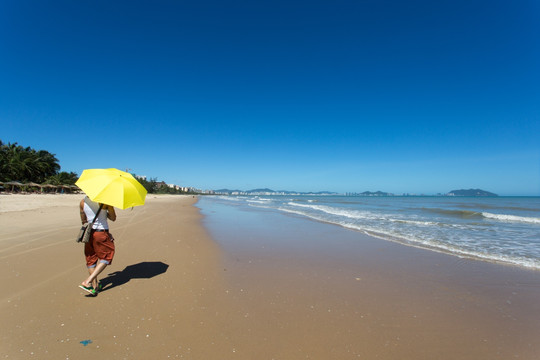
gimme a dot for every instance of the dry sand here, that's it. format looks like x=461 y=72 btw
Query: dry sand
x=179 y=313
x=174 y=293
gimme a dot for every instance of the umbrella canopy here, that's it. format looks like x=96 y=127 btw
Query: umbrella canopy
x=33 y=184
x=112 y=187
x=14 y=183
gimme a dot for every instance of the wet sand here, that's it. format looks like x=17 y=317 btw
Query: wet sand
x=319 y=291
x=248 y=286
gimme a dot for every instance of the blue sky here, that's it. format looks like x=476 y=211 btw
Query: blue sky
x=398 y=96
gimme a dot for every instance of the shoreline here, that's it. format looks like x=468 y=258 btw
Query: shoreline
x=504 y=237
x=460 y=255
x=377 y=290
x=207 y=284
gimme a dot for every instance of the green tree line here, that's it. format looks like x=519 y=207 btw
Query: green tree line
x=24 y=164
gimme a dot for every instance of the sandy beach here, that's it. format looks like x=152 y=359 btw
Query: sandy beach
x=182 y=286
x=166 y=297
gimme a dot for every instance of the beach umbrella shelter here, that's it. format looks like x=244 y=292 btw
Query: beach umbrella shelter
x=112 y=187
x=13 y=184
x=50 y=186
x=34 y=185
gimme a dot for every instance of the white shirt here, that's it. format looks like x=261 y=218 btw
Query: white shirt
x=90 y=209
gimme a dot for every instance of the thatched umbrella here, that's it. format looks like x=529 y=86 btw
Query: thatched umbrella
x=13 y=184
x=75 y=189
x=50 y=186
x=68 y=188
x=34 y=185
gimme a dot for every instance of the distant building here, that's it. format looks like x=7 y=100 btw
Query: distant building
x=173 y=186
x=161 y=184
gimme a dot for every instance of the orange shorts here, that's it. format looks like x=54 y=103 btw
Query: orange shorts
x=99 y=248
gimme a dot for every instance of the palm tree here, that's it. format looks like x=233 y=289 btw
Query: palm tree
x=63 y=178
x=26 y=164
x=48 y=163
x=11 y=162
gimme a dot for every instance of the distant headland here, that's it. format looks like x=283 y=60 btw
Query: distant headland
x=266 y=191
x=470 y=192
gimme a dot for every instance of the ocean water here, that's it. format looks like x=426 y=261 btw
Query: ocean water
x=497 y=229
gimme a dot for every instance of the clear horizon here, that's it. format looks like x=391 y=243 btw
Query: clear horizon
x=358 y=193
x=416 y=97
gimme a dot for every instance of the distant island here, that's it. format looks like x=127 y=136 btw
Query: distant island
x=470 y=192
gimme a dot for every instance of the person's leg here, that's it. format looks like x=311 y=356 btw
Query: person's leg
x=102 y=249
x=91 y=258
x=94 y=274
x=90 y=272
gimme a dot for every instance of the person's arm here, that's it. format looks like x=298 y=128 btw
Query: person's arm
x=111 y=215
x=82 y=213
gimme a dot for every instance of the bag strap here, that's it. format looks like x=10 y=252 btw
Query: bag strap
x=99 y=210
x=95 y=217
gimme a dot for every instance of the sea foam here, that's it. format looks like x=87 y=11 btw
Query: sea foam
x=511 y=218
x=462 y=227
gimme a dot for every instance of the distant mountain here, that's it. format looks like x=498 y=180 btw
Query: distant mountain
x=226 y=191
x=370 y=193
x=376 y=193
x=261 y=190
x=470 y=192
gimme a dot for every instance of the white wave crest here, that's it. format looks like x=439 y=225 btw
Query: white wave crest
x=429 y=244
x=511 y=218
x=227 y=198
x=352 y=214
x=416 y=222
x=261 y=201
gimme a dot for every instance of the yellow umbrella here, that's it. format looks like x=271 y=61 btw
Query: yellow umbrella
x=112 y=187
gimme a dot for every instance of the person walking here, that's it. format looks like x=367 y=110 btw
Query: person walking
x=99 y=251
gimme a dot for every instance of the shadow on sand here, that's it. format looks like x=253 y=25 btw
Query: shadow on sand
x=143 y=270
